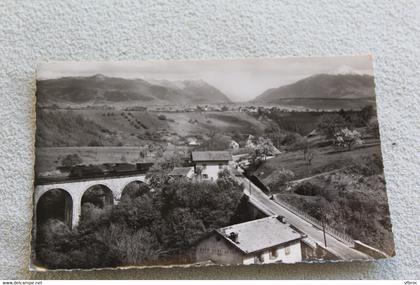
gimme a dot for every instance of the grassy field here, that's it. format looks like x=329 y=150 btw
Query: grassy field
x=325 y=159
x=201 y=123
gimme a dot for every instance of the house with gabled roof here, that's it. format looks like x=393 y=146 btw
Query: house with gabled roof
x=266 y=240
x=208 y=164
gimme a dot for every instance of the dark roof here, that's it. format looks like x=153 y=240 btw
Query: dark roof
x=259 y=234
x=180 y=171
x=274 y=150
x=211 y=156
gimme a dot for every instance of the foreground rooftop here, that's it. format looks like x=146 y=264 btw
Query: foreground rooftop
x=259 y=234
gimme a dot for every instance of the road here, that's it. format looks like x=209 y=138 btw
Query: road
x=335 y=246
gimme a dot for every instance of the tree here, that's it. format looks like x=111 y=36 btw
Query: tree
x=329 y=124
x=367 y=113
x=264 y=147
x=71 y=160
x=275 y=134
x=198 y=171
x=347 y=138
x=373 y=129
x=134 y=189
x=157 y=180
x=308 y=158
x=282 y=177
x=147 y=227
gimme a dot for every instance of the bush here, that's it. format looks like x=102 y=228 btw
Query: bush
x=329 y=124
x=59 y=248
x=144 y=227
x=134 y=190
x=95 y=143
x=373 y=129
x=282 y=176
x=71 y=160
x=162 y=117
x=307 y=189
x=289 y=139
x=368 y=165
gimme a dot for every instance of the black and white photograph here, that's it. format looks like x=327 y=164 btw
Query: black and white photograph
x=208 y=162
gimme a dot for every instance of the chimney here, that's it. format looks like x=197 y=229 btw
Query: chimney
x=234 y=237
x=281 y=219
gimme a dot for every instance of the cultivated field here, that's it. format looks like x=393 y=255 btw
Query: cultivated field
x=59 y=128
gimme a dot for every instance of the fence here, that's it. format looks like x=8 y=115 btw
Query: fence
x=338 y=235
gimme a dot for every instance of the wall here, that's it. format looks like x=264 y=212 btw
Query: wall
x=295 y=254
x=34 y=31
x=211 y=169
x=217 y=249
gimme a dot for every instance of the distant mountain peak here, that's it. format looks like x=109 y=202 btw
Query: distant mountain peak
x=99 y=77
x=103 y=90
x=340 y=85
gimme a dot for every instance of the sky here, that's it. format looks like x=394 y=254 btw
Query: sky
x=239 y=79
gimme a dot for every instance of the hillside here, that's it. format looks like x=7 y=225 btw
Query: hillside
x=323 y=86
x=103 y=90
x=65 y=128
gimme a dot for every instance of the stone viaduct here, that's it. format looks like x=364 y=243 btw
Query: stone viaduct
x=74 y=190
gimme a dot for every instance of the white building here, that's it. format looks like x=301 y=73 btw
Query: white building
x=233 y=144
x=250 y=142
x=192 y=142
x=267 y=240
x=210 y=163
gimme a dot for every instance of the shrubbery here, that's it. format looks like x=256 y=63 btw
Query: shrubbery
x=368 y=165
x=144 y=227
x=282 y=176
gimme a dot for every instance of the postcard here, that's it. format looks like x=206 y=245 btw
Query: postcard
x=208 y=162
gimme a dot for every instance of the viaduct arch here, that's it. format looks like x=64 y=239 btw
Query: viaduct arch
x=74 y=193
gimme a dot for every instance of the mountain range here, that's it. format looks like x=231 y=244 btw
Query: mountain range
x=323 y=86
x=100 y=89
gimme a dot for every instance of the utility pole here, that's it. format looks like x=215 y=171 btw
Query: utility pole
x=323 y=226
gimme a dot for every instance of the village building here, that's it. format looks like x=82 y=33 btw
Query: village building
x=274 y=151
x=266 y=240
x=233 y=145
x=250 y=142
x=208 y=164
x=182 y=172
x=192 y=142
